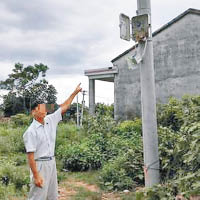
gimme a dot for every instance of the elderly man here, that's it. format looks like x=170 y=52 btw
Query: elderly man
x=39 y=140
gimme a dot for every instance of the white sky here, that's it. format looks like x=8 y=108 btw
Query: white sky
x=72 y=36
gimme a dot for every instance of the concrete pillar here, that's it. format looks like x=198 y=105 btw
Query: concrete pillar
x=91 y=96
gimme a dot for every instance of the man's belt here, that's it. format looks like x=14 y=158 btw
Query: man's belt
x=45 y=158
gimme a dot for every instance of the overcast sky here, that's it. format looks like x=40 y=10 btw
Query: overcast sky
x=71 y=36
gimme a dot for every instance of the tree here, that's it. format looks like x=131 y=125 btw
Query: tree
x=26 y=85
x=12 y=104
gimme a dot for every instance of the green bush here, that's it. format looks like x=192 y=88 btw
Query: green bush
x=192 y=140
x=171 y=114
x=81 y=156
x=158 y=192
x=5 y=145
x=118 y=145
x=10 y=174
x=115 y=178
x=108 y=145
x=20 y=159
x=124 y=172
x=98 y=124
x=3 y=191
x=179 y=112
x=129 y=128
x=105 y=141
x=179 y=151
x=170 y=152
x=5 y=130
x=17 y=140
x=20 y=177
x=125 y=157
x=101 y=144
x=191 y=107
x=67 y=134
x=104 y=110
x=85 y=149
x=11 y=140
x=6 y=191
x=21 y=120
x=179 y=162
x=188 y=186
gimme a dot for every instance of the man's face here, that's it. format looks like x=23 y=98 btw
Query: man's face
x=40 y=112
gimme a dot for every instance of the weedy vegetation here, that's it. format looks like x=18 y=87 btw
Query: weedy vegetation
x=112 y=153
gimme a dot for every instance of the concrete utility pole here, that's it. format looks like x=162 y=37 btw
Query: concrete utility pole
x=83 y=105
x=91 y=96
x=148 y=103
x=77 y=112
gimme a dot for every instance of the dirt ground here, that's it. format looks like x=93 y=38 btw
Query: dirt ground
x=68 y=189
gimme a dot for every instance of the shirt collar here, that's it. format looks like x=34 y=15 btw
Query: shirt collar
x=37 y=124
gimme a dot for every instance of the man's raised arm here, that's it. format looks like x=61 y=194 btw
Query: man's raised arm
x=65 y=106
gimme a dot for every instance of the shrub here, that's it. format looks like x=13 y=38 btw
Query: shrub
x=20 y=177
x=12 y=140
x=125 y=158
x=67 y=134
x=98 y=124
x=104 y=142
x=101 y=145
x=6 y=191
x=180 y=163
x=129 y=128
x=186 y=185
x=124 y=172
x=118 y=145
x=17 y=139
x=88 y=151
x=179 y=151
x=19 y=159
x=115 y=178
x=4 y=129
x=192 y=140
x=191 y=107
x=21 y=120
x=179 y=112
x=5 y=146
x=157 y=192
x=104 y=110
x=81 y=156
x=169 y=153
x=171 y=114
x=10 y=174
x=3 y=192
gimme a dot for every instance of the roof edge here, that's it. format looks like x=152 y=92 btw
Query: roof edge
x=124 y=53
x=190 y=10
x=108 y=70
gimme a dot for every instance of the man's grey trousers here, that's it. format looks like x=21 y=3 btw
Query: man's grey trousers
x=49 y=191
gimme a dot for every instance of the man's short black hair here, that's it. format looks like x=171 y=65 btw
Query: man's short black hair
x=54 y=106
x=34 y=105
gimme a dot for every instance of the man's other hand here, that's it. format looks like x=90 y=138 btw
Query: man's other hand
x=39 y=182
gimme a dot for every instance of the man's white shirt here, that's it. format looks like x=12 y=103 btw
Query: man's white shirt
x=40 y=138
